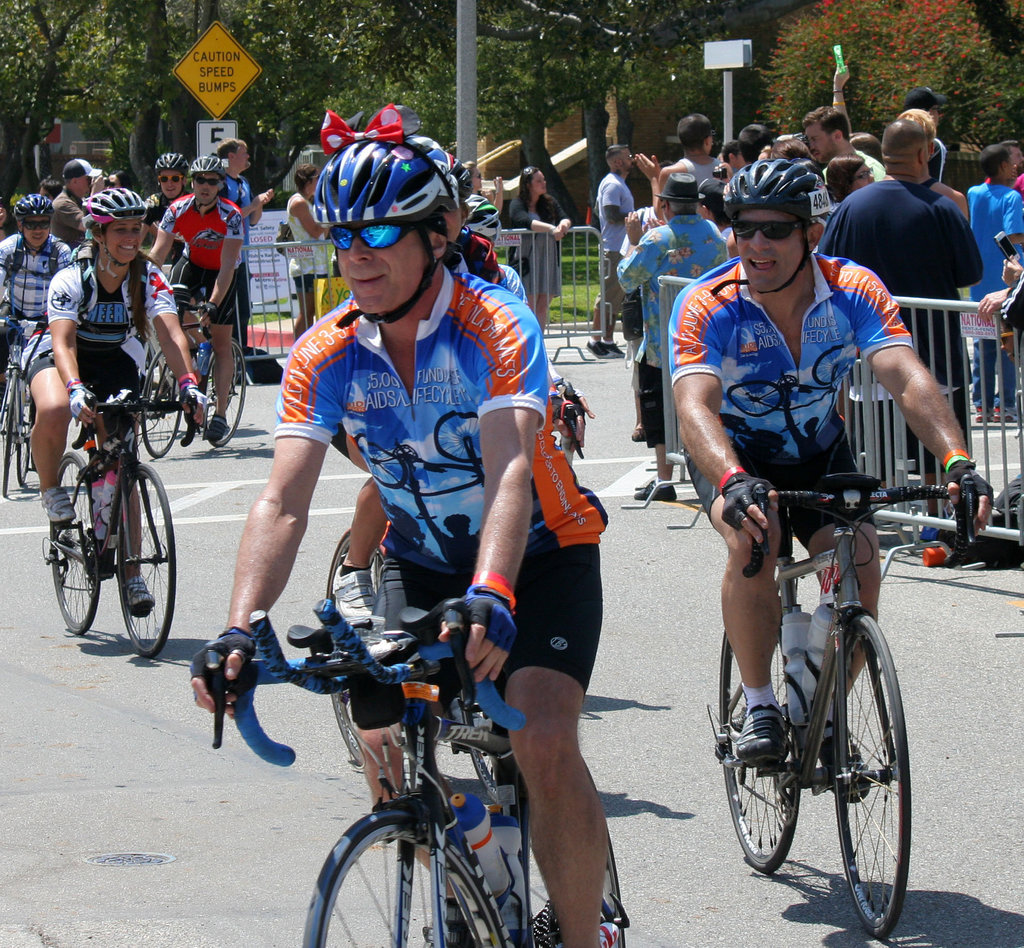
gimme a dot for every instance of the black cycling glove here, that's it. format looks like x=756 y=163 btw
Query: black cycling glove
x=961 y=470
x=233 y=640
x=741 y=491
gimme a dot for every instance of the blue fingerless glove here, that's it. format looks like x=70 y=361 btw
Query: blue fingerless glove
x=491 y=610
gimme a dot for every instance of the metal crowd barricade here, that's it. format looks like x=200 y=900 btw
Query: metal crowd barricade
x=570 y=315
x=879 y=434
x=274 y=305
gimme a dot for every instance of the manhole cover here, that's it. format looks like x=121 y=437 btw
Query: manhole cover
x=130 y=859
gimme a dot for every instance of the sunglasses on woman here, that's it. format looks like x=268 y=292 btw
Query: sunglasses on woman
x=375 y=236
x=773 y=230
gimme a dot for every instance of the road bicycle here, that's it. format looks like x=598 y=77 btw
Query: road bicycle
x=854 y=741
x=137 y=539
x=15 y=410
x=406 y=871
x=160 y=428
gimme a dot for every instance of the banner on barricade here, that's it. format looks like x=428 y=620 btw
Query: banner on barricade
x=976 y=326
x=269 y=286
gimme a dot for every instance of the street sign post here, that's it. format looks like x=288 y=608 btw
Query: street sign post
x=217 y=70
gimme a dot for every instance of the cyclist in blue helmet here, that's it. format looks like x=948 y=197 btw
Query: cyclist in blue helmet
x=440 y=382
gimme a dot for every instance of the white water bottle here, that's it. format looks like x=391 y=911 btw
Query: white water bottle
x=795 y=635
x=102 y=495
x=817 y=635
x=475 y=822
x=609 y=933
x=510 y=840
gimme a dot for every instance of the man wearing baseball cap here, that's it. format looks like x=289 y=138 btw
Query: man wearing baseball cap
x=928 y=100
x=68 y=213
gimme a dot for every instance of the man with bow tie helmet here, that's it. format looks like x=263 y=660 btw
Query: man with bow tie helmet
x=440 y=382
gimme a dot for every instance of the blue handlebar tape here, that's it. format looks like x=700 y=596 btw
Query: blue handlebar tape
x=281 y=755
x=512 y=719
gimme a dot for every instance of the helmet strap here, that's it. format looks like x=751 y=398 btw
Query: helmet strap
x=429 y=270
x=800 y=266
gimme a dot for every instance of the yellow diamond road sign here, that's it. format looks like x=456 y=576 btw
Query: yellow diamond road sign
x=217 y=70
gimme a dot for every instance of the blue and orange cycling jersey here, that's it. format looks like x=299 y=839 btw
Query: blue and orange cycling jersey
x=772 y=408
x=480 y=350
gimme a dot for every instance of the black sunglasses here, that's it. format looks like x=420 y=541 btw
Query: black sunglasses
x=200 y=179
x=36 y=224
x=773 y=230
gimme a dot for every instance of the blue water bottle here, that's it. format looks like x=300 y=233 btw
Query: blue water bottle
x=203 y=358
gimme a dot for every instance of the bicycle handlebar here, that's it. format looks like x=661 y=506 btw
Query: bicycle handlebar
x=328 y=675
x=853 y=502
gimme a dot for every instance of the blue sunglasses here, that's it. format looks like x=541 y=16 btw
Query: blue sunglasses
x=375 y=236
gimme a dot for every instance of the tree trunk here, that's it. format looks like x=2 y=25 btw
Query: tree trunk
x=595 y=122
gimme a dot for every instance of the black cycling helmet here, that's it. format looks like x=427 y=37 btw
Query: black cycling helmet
x=777 y=185
x=171 y=161
x=33 y=205
x=207 y=164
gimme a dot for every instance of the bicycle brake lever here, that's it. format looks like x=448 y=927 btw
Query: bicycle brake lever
x=190 y=431
x=218 y=686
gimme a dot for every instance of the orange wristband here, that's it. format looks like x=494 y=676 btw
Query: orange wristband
x=955 y=455
x=497 y=582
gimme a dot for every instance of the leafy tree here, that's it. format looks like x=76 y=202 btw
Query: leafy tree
x=891 y=47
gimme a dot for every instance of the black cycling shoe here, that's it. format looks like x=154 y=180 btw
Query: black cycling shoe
x=763 y=737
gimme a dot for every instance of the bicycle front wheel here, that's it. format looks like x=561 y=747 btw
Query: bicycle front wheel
x=160 y=428
x=16 y=449
x=236 y=393
x=872 y=779
x=72 y=554
x=374 y=891
x=145 y=548
x=24 y=442
x=764 y=801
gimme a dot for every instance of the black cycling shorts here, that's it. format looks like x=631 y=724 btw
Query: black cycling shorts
x=559 y=607
x=192 y=284
x=104 y=372
x=836 y=459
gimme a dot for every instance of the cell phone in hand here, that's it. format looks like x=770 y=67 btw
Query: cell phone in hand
x=1006 y=246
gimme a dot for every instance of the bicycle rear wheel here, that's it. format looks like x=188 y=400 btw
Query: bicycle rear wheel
x=72 y=554
x=236 y=393
x=374 y=891
x=872 y=780
x=145 y=547
x=160 y=428
x=764 y=801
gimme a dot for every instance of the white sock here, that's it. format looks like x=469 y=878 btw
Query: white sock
x=760 y=696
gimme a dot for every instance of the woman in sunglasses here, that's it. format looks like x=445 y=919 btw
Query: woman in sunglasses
x=172 y=177
x=211 y=228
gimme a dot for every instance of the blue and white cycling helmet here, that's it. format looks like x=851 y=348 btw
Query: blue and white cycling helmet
x=389 y=182
x=33 y=205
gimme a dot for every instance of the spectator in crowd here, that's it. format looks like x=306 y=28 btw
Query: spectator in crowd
x=919 y=244
x=7 y=226
x=235 y=154
x=732 y=156
x=686 y=246
x=697 y=138
x=540 y=256
x=119 y=179
x=925 y=120
x=68 y=215
x=931 y=102
x=753 y=139
x=867 y=143
x=828 y=134
x=712 y=208
x=846 y=174
x=614 y=203
x=789 y=147
x=305 y=268
x=51 y=187
x=493 y=190
x=995 y=206
x=172 y=179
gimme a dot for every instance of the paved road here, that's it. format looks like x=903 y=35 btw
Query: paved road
x=102 y=752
